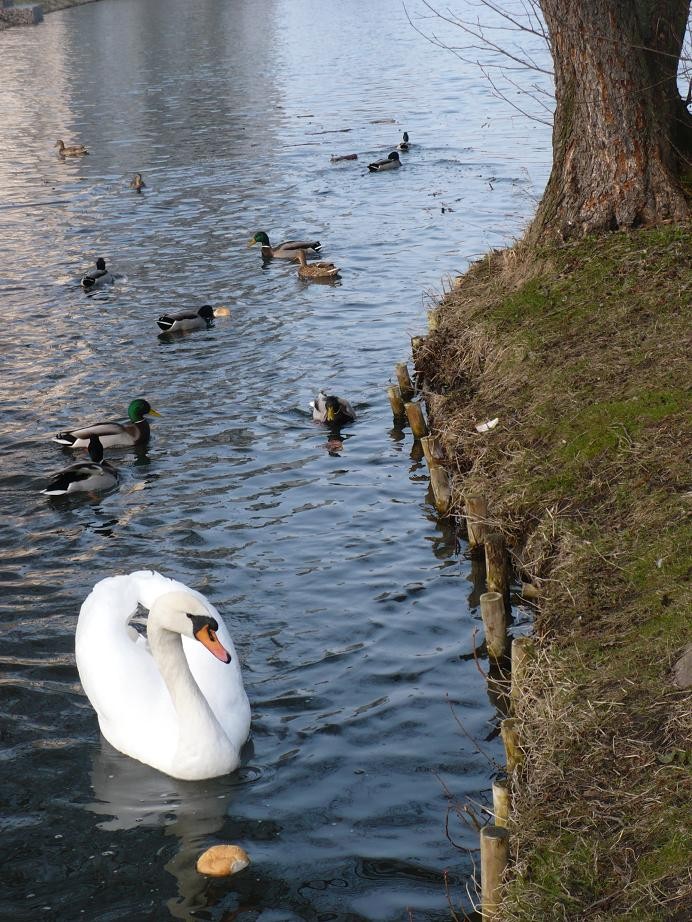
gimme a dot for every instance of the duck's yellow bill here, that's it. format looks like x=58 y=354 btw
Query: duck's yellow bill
x=252 y=242
x=154 y=412
x=330 y=415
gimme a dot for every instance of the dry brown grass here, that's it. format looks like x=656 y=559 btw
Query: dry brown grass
x=581 y=353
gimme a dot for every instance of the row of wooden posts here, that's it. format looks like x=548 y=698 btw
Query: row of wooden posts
x=495 y=608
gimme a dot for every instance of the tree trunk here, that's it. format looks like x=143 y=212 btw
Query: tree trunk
x=622 y=137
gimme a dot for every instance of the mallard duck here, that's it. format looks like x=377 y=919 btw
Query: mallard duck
x=84 y=476
x=390 y=163
x=98 y=276
x=286 y=250
x=77 y=150
x=334 y=411
x=319 y=270
x=114 y=435
x=138 y=183
x=184 y=321
x=404 y=144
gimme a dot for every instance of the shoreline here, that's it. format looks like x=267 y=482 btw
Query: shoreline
x=48 y=6
x=579 y=351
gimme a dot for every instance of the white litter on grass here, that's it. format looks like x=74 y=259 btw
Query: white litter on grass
x=486 y=427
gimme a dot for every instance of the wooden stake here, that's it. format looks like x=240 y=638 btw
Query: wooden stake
x=442 y=488
x=523 y=651
x=433 y=452
x=476 y=516
x=432 y=320
x=396 y=402
x=509 y=729
x=494 y=858
x=416 y=420
x=405 y=383
x=501 y=802
x=495 y=623
x=496 y=568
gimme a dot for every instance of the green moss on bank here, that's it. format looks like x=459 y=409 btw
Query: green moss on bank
x=581 y=351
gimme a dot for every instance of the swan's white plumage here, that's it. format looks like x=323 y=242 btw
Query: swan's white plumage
x=134 y=706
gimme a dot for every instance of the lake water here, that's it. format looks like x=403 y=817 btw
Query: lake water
x=351 y=604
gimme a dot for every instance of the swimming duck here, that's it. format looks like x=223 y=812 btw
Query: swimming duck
x=334 y=411
x=114 y=435
x=138 y=183
x=286 y=250
x=84 y=476
x=319 y=270
x=391 y=162
x=404 y=144
x=184 y=321
x=98 y=276
x=77 y=150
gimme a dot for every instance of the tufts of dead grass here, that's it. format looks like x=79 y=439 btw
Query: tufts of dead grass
x=580 y=351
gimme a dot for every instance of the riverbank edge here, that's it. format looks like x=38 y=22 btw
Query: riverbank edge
x=580 y=351
x=48 y=6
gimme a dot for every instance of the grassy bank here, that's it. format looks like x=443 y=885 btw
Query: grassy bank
x=581 y=351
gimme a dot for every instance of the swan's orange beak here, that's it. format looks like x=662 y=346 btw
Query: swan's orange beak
x=208 y=638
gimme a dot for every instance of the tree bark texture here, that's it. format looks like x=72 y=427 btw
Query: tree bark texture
x=622 y=137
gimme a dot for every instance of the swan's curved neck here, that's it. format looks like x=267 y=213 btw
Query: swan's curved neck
x=195 y=717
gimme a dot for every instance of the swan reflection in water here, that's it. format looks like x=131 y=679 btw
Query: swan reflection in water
x=129 y=794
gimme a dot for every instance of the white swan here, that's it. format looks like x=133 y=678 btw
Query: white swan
x=165 y=700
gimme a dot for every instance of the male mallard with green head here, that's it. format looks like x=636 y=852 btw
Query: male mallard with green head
x=112 y=434
x=391 y=162
x=286 y=250
x=98 y=276
x=84 y=476
x=333 y=411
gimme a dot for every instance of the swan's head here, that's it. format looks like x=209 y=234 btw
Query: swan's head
x=185 y=614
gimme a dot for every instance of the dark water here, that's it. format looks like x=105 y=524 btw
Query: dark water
x=347 y=598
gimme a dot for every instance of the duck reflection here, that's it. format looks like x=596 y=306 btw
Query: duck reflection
x=129 y=794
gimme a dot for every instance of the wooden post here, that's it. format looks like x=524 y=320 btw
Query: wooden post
x=495 y=623
x=501 y=802
x=394 y=394
x=476 y=517
x=523 y=651
x=433 y=452
x=416 y=420
x=404 y=379
x=432 y=320
x=509 y=730
x=494 y=858
x=442 y=488
x=496 y=569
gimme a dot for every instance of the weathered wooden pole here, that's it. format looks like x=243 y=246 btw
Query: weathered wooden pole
x=494 y=617
x=476 y=517
x=442 y=489
x=416 y=420
x=509 y=730
x=496 y=566
x=433 y=451
x=397 y=404
x=404 y=379
x=432 y=320
x=501 y=802
x=494 y=858
x=523 y=651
